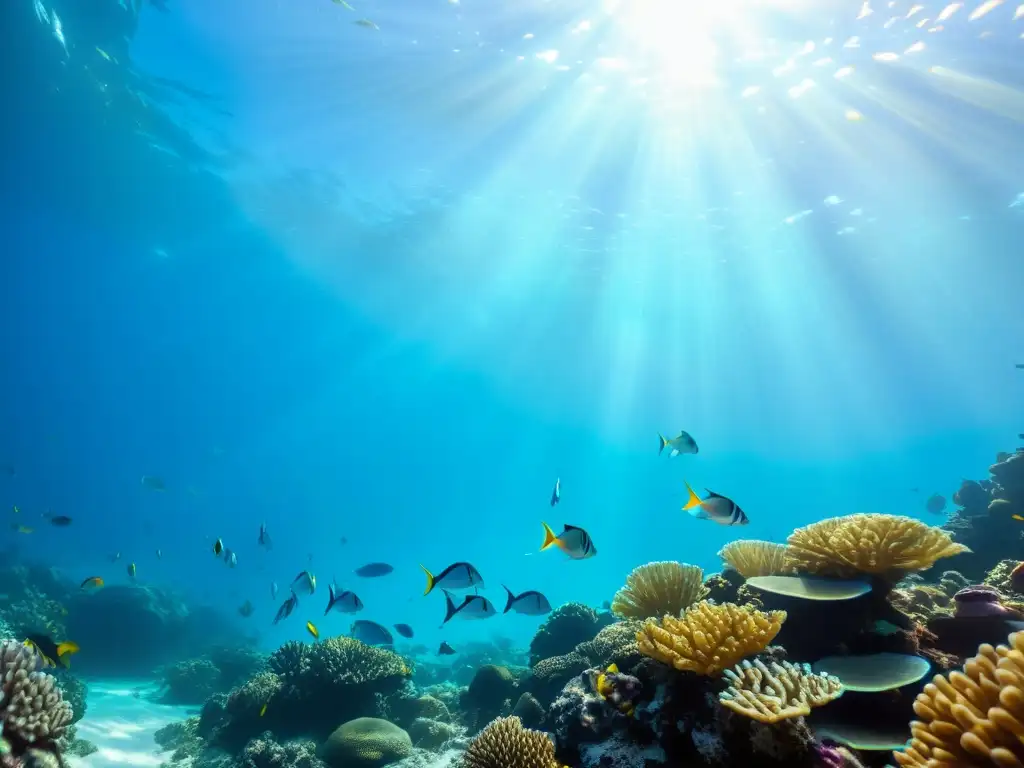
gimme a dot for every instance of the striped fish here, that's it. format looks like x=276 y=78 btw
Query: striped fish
x=715 y=507
x=575 y=542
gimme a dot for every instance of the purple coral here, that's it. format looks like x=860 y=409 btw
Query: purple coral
x=980 y=601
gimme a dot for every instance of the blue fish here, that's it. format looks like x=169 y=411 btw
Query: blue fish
x=342 y=602
x=682 y=443
x=455 y=577
x=305 y=582
x=472 y=607
x=286 y=608
x=531 y=603
x=404 y=630
x=372 y=570
x=371 y=633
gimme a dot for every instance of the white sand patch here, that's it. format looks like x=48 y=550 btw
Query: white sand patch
x=121 y=722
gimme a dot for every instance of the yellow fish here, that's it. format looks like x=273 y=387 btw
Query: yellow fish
x=22 y=528
x=263 y=709
x=131 y=571
x=605 y=688
x=311 y=628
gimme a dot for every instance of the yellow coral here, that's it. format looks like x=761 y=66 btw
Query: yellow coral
x=657 y=589
x=974 y=717
x=709 y=638
x=781 y=692
x=886 y=545
x=506 y=744
x=755 y=558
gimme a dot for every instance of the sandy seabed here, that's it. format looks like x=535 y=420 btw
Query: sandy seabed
x=121 y=721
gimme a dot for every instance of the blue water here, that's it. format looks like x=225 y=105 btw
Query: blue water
x=388 y=285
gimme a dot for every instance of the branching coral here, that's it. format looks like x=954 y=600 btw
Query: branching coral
x=974 y=717
x=659 y=589
x=347 y=661
x=885 y=545
x=506 y=744
x=755 y=558
x=780 y=692
x=32 y=706
x=709 y=638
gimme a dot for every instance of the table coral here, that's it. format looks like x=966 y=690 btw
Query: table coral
x=749 y=557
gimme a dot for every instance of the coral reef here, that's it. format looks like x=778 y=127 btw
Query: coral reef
x=32 y=705
x=506 y=744
x=779 y=692
x=615 y=644
x=888 y=546
x=709 y=638
x=563 y=630
x=974 y=717
x=755 y=558
x=658 y=589
x=367 y=742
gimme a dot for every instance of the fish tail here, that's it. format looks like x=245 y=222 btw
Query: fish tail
x=511 y=599
x=449 y=607
x=692 y=501
x=549 y=537
x=430 y=580
x=662 y=443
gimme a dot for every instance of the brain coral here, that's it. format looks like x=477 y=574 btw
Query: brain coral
x=367 y=742
x=506 y=744
x=972 y=718
x=657 y=589
x=884 y=545
x=709 y=638
x=31 y=704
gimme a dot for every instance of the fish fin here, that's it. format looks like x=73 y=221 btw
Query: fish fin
x=549 y=537
x=692 y=501
x=713 y=495
x=511 y=599
x=662 y=442
x=67 y=647
x=449 y=607
x=430 y=580
x=613 y=669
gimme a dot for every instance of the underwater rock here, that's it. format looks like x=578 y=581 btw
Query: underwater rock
x=189 y=682
x=1007 y=576
x=367 y=742
x=421 y=758
x=568 y=626
x=614 y=644
x=722 y=587
x=489 y=695
x=529 y=711
x=432 y=734
x=155 y=627
x=550 y=675
x=620 y=752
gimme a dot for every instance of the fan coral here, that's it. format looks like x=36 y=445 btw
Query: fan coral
x=659 y=589
x=974 y=717
x=884 y=545
x=780 y=692
x=506 y=744
x=31 y=704
x=709 y=638
x=755 y=558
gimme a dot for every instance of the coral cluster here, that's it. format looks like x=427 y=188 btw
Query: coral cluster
x=709 y=638
x=31 y=704
x=659 y=589
x=755 y=558
x=783 y=691
x=884 y=545
x=506 y=744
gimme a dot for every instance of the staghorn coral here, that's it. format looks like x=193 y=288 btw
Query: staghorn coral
x=974 y=717
x=749 y=557
x=506 y=744
x=709 y=638
x=780 y=692
x=32 y=706
x=883 y=545
x=657 y=589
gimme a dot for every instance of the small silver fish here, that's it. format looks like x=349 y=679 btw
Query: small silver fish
x=342 y=602
x=230 y=558
x=681 y=443
x=472 y=607
x=531 y=603
x=304 y=582
x=556 y=493
x=264 y=540
x=286 y=608
x=722 y=510
x=574 y=541
x=273 y=590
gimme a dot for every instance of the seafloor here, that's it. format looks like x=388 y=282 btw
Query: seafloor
x=867 y=640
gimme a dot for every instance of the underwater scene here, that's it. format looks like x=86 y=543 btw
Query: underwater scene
x=492 y=384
